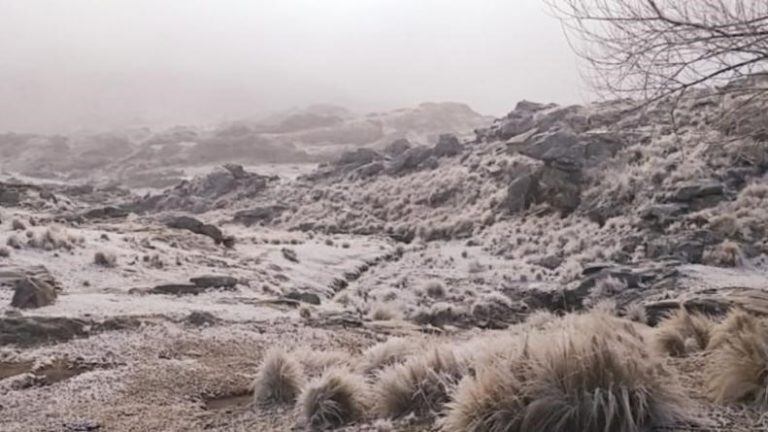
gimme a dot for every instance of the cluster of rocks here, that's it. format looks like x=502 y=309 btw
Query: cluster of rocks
x=398 y=158
x=218 y=189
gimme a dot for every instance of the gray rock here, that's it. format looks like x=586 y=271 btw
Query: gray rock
x=663 y=214
x=200 y=319
x=521 y=193
x=410 y=160
x=9 y=198
x=213 y=281
x=31 y=293
x=289 y=254
x=177 y=289
x=198 y=227
x=357 y=158
x=699 y=195
x=26 y=331
x=397 y=147
x=304 y=297
x=561 y=188
x=259 y=214
x=108 y=212
x=369 y=170
x=447 y=145
x=9 y=275
x=550 y=262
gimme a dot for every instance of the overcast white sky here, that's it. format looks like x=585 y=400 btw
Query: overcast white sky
x=68 y=64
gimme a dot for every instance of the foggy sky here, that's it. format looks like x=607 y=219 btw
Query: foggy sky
x=68 y=64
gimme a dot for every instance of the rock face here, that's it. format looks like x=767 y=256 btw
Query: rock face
x=32 y=293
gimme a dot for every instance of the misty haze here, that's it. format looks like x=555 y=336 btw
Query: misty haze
x=383 y=215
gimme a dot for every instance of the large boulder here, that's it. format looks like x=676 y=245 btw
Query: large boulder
x=357 y=158
x=196 y=226
x=32 y=293
x=521 y=193
x=214 y=281
x=699 y=194
x=261 y=214
x=397 y=147
x=447 y=145
x=411 y=160
x=9 y=197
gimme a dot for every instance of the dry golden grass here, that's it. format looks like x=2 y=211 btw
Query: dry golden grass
x=385 y=354
x=594 y=374
x=420 y=386
x=279 y=379
x=683 y=333
x=737 y=368
x=736 y=321
x=636 y=312
x=335 y=399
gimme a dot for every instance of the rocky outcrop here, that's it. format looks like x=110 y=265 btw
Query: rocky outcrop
x=262 y=214
x=196 y=226
x=32 y=293
x=447 y=145
x=214 y=281
x=229 y=183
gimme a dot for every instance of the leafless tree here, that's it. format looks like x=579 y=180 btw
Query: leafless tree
x=657 y=48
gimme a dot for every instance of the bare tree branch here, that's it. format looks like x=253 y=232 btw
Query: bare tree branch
x=656 y=48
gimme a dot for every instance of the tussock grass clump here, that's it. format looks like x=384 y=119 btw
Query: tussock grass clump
x=419 y=386
x=606 y=306
x=594 y=374
x=53 y=238
x=439 y=314
x=736 y=321
x=636 y=312
x=736 y=371
x=279 y=379
x=540 y=318
x=385 y=312
x=105 y=259
x=434 y=289
x=384 y=354
x=683 y=333
x=335 y=399
x=493 y=305
x=606 y=288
